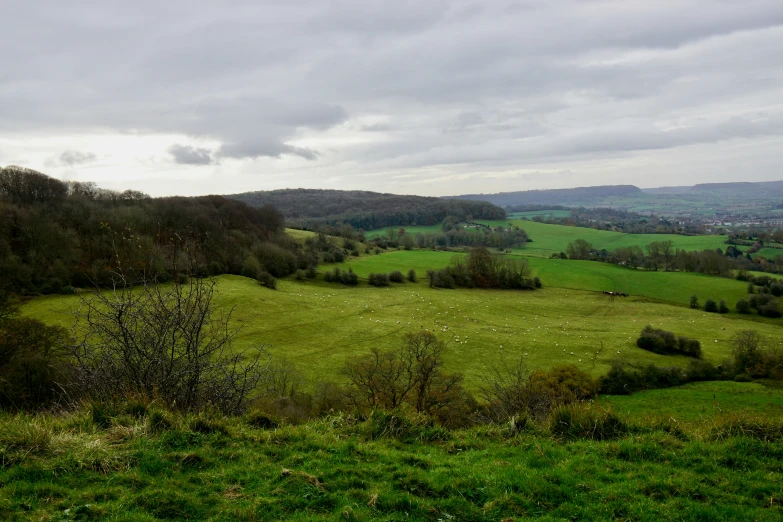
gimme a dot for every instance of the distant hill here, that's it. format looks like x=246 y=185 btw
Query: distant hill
x=668 y=190
x=366 y=210
x=741 y=187
x=590 y=196
x=554 y=196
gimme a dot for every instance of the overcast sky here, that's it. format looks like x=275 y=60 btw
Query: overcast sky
x=423 y=97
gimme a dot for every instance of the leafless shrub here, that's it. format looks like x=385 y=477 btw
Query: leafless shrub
x=510 y=390
x=507 y=392
x=411 y=375
x=166 y=342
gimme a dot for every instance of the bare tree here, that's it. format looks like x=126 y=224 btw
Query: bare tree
x=422 y=359
x=654 y=255
x=509 y=390
x=667 y=252
x=747 y=350
x=166 y=342
x=505 y=389
x=377 y=380
x=412 y=374
x=283 y=379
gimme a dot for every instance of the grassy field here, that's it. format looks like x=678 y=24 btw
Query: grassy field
x=769 y=253
x=320 y=326
x=534 y=213
x=429 y=229
x=678 y=454
x=553 y=239
x=676 y=287
x=68 y=467
x=299 y=235
x=700 y=400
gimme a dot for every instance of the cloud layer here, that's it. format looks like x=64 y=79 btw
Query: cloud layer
x=413 y=97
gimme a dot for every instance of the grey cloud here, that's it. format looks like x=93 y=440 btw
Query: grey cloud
x=75 y=157
x=488 y=84
x=269 y=149
x=376 y=127
x=188 y=155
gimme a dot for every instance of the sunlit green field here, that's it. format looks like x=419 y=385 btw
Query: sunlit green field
x=420 y=229
x=320 y=326
x=551 y=239
x=299 y=235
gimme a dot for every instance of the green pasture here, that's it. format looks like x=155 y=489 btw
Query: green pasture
x=320 y=326
x=299 y=235
x=769 y=253
x=676 y=287
x=553 y=239
x=667 y=286
x=700 y=400
x=533 y=213
x=414 y=229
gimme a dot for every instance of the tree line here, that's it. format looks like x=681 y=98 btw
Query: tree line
x=600 y=218
x=57 y=236
x=663 y=255
x=455 y=234
x=482 y=269
x=311 y=208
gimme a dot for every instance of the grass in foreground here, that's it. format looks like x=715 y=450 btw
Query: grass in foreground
x=210 y=468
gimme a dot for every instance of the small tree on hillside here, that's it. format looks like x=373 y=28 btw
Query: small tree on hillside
x=413 y=374
x=396 y=276
x=743 y=306
x=579 y=249
x=746 y=348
